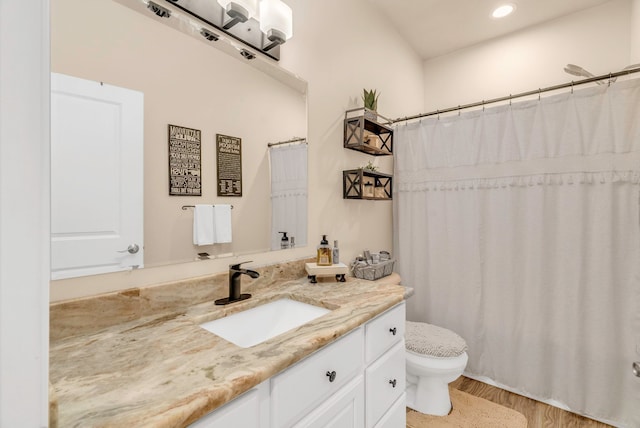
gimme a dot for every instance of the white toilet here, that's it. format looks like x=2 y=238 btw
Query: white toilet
x=435 y=357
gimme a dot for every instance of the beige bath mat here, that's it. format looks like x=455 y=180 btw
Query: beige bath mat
x=469 y=412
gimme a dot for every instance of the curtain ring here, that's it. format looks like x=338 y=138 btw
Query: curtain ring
x=482 y=105
x=539 y=92
x=458 y=109
x=609 y=84
x=509 y=100
x=572 y=87
x=438 y=112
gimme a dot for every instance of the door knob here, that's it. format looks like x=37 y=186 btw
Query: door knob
x=393 y=331
x=331 y=375
x=636 y=368
x=131 y=249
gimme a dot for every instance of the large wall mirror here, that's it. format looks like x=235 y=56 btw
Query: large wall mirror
x=185 y=81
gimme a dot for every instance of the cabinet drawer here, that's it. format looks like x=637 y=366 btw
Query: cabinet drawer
x=396 y=416
x=385 y=382
x=384 y=331
x=305 y=385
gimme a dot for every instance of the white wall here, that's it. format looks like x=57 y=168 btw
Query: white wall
x=24 y=213
x=634 y=57
x=598 y=39
x=339 y=48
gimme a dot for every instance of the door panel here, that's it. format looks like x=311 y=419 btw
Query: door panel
x=96 y=177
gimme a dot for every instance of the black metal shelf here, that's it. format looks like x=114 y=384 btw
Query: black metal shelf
x=363 y=184
x=365 y=132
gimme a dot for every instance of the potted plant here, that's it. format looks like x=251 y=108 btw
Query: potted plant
x=369 y=167
x=370 y=99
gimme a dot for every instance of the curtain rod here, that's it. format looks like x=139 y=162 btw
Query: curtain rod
x=482 y=103
x=293 y=140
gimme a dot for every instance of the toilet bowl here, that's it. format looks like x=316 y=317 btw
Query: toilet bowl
x=435 y=357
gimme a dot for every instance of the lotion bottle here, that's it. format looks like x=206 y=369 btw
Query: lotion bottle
x=284 y=242
x=324 y=253
x=336 y=253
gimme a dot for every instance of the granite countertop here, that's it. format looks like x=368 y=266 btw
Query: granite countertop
x=166 y=371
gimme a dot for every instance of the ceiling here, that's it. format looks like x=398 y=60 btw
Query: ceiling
x=438 y=27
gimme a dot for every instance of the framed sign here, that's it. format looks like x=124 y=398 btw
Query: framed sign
x=229 y=156
x=184 y=161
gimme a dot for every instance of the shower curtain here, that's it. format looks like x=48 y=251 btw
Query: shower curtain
x=519 y=228
x=288 y=193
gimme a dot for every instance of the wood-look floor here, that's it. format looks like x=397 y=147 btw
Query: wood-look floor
x=538 y=414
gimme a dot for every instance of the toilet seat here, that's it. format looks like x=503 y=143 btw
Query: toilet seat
x=430 y=340
x=435 y=356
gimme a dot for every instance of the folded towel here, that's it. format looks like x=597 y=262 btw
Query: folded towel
x=222 y=224
x=203 y=230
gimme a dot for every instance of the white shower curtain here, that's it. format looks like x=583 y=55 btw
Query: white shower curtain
x=288 y=193
x=519 y=228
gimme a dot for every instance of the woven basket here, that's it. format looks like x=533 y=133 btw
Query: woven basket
x=374 y=271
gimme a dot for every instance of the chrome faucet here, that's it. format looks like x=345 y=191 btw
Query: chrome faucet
x=235 y=283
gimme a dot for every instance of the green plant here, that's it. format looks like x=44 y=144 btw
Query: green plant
x=370 y=99
x=370 y=167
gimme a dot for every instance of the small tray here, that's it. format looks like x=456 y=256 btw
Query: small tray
x=314 y=271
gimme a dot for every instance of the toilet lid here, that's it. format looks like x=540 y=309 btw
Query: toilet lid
x=434 y=341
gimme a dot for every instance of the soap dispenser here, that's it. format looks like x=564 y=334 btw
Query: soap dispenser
x=284 y=242
x=324 y=253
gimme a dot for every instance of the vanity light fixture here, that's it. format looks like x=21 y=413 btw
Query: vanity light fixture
x=503 y=10
x=261 y=25
x=238 y=11
x=276 y=22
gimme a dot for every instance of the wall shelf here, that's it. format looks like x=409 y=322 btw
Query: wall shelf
x=367 y=131
x=363 y=184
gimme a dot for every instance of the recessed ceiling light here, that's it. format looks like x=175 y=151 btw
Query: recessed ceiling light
x=504 y=10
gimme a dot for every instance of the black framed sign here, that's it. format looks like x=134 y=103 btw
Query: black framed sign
x=229 y=159
x=184 y=161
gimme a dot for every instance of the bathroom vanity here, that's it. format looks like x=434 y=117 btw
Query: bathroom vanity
x=357 y=381
x=162 y=369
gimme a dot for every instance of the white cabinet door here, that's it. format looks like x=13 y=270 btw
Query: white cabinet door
x=251 y=409
x=345 y=409
x=396 y=417
x=96 y=177
x=385 y=382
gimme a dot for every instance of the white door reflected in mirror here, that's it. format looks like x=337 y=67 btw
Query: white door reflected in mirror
x=96 y=177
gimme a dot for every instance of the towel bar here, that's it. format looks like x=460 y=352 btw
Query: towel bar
x=184 y=207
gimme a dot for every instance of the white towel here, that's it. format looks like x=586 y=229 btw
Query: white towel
x=203 y=230
x=222 y=224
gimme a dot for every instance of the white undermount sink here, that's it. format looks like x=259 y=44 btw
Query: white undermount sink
x=255 y=325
